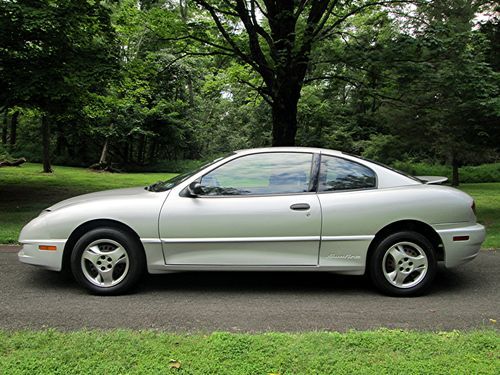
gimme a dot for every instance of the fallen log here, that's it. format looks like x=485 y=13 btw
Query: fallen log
x=104 y=167
x=15 y=163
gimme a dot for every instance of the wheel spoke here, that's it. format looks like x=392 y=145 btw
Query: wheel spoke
x=419 y=262
x=106 y=276
x=122 y=260
x=400 y=278
x=397 y=252
x=117 y=254
x=92 y=254
x=392 y=275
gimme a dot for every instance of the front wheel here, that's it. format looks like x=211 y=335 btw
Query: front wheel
x=107 y=261
x=403 y=264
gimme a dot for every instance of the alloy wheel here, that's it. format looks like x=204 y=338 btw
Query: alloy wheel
x=105 y=263
x=405 y=264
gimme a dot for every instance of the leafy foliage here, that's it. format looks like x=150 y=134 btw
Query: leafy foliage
x=132 y=83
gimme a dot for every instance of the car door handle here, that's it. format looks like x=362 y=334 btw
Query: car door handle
x=300 y=206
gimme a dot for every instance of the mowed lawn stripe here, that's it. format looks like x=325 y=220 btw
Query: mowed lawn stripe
x=147 y=352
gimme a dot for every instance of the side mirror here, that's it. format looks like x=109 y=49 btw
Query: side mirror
x=195 y=189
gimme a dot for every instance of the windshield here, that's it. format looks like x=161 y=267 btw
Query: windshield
x=174 y=181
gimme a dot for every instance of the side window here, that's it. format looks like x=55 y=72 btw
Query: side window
x=258 y=174
x=341 y=174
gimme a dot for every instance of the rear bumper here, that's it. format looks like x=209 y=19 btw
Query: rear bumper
x=459 y=252
x=48 y=259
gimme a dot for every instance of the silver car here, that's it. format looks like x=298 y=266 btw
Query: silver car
x=270 y=209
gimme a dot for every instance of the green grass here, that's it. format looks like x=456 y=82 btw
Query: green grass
x=25 y=191
x=146 y=352
x=487 y=197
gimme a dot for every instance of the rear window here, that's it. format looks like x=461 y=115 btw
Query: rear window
x=341 y=174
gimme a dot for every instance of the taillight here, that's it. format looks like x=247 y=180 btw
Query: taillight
x=473 y=206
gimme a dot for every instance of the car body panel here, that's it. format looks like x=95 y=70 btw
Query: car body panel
x=136 y=208
x=460 y=252
x=261 y=232
x=256 y=230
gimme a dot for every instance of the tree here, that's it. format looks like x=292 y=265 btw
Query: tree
x=456 y=97
x=277 y=42
x=437 y=92
x=53 y=53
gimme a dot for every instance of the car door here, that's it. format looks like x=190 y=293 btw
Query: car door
x=256 y=210
x=349 y=198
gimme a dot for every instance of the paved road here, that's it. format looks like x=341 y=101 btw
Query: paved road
x=463 y=298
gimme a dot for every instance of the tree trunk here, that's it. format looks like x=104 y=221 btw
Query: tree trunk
x=131 y=150
x=4 y=127
x=152 y=151
x=47 y=168
x=190 y=91
x=455 y=180
x=140 y=149
x=284 y=112
x=284 y=124
x=13 y=128
x=103 y=160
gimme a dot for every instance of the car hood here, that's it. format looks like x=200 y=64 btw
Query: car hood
x=101 y=195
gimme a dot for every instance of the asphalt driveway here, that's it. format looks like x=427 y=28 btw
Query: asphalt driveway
x=463 y=298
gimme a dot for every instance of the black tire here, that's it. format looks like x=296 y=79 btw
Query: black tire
x=422 y=280
x=135 y=260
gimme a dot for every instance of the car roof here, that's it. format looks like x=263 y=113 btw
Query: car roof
x=288 y=149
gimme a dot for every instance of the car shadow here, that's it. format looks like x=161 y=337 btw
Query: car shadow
x=446 y=282
x=256 y=282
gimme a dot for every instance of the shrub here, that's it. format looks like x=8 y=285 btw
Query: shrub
x=468 y=174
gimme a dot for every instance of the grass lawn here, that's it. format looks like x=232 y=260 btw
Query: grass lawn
x=375 y=352
x=24 y=192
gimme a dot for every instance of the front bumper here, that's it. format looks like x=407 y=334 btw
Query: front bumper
x=459 y=252
x=48 y=259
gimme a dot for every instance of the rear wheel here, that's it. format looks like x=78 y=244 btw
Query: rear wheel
x=107 y=261
x=403 y=264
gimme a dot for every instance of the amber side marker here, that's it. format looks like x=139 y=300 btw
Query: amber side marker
x=460 y=238
x=45 y=247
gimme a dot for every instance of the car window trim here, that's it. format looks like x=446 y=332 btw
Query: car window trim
x=345 y=190
x=182 y=193
x=315 y=168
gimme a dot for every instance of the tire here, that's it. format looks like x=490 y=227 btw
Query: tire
x=107 y=261
x=403 y=264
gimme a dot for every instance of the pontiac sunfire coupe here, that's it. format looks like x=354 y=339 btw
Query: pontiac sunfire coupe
x=272 y=209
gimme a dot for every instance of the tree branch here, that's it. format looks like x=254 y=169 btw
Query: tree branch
x=262 y=91
x=225 y=33
x=261 y=9
x=260 y=29
x=183 y=55
x=300 y=8
x=358 y=10
x=253 y=39
x=325 y=17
